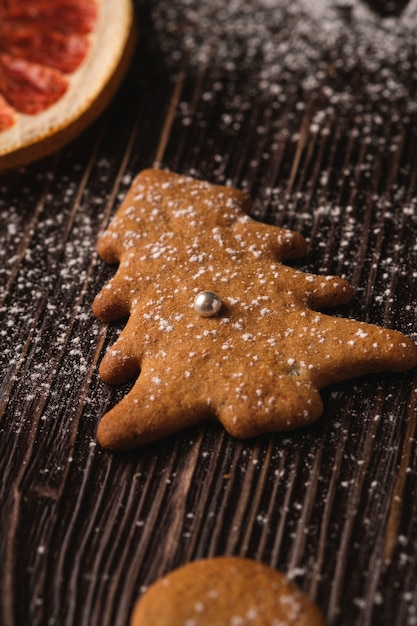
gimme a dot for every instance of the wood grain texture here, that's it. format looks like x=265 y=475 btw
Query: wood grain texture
x=334 y=506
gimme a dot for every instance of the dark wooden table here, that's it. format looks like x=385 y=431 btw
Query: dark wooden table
x=333 y=506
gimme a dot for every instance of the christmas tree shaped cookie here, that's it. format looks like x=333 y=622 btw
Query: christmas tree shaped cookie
x=218 y=326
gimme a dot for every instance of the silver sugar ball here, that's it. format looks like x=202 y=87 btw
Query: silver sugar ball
x=207 y=304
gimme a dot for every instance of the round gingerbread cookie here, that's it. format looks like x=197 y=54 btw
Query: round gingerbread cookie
x=225 y=591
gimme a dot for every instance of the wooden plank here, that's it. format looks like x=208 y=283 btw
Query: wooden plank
x=83 y=532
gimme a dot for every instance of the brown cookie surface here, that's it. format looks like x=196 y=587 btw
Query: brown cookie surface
x=256 y=365
x=225 y=591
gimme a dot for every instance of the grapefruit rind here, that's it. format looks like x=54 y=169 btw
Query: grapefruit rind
x=92 y=86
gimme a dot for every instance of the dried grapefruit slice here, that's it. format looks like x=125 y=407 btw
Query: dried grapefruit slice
x=60 y=63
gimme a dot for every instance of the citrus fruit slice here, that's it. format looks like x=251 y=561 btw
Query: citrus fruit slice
x=60 y=63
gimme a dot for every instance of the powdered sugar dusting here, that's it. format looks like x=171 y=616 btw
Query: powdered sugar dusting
x=338 y=47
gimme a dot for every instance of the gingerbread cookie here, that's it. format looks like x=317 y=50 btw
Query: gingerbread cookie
x=225 y=591
x=218 y=326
